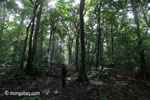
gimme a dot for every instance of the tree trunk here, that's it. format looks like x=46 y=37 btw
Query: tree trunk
x=4 y=26
x=82 y=78
x=51 y=33
x=2 y=30
x=28 y=68
x=41 y=45
x=49 y=45
x=25 y=45
x=143 y=73
x=32 y=51
x=88 y=53
x=112 y=44
x=70 y=50
x=106 y=35
x=52 y=54
x=77 y=51
x=99 y=43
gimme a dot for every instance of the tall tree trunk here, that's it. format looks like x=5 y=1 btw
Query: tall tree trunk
x=49 y=45
x=143 y=73
x=4 y=26
x=77 y=47
x=41 y=45
x=33 y=48
x=29 y=68
x=51 y=33
x=92 y=58
x=52 y=53
x=77 y=51
x=106 y=36
x=112 y=44
x=36 y=31
x=82 y=73
x=1 y=32
x=88 y=53
x=70 y=50
x=26 y=38
x=99 y=52
x=25 y=44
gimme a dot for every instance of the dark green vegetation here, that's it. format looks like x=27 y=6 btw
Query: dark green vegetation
x=104 y=43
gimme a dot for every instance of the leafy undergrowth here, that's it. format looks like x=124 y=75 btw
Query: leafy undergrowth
x=107 y=85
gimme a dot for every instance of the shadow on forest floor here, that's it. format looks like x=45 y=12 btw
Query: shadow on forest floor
x=115 y=86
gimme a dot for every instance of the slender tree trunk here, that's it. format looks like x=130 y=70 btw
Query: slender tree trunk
x=106 y=35
x=33 y=48
x=77 y=47
x=1 y=34
x=98 y=50
x=88 y=52
x=82 y=73
x=52 y=54
x=49 y=47
x=98 y=38
x=51 y=33
x=41 y=45
x=145 y=16
x=29 y=68
x=101 y=54
x=77 y=51
x=143 y=73
x=26 y=38
x=2 y=28
x=70 y=50
x=112 y=44
x=25 y=44
x=99 y=43
x=36 y=31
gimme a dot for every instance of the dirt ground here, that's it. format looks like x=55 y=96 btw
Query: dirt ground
x=115 y=85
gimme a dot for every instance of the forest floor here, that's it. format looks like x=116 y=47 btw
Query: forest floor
x=115 y=85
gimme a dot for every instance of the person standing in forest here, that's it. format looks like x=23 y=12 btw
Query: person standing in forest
x=63 y=75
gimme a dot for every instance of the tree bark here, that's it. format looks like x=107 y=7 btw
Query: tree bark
x=99 y=40
x=25 y=44
x=70 y=50
x=143 y=73
x=41 y=44
x=77 y=46
x=51 y=33
x=77 y=51
x=52 y=53
x=112 y=44
x=27 y=33
x=82 y=78
x=4 y=26
x=32 y=49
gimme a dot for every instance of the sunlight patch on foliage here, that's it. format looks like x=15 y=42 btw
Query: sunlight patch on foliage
x=130 y=15
x=19 y=4
x=52 y=4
